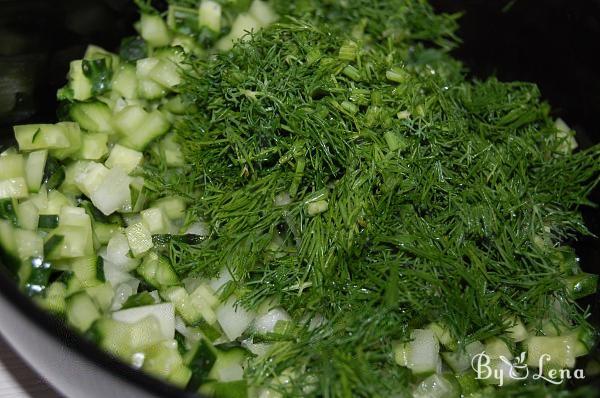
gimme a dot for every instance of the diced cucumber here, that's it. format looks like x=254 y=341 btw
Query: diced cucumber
x=162 y=359
x=443 y=335
x=73 y=134
x=209 y=15
x=229 y=365
x=102 y=295
x=89 y=270
x=233 y=318
x=87 y=176
x=14 y=188
x=114 y=193
x=188 y=43
x=36 y=273
x=138 y=195
x=125 y=82
x=180 y=376
x=113 y=336
x=104 y=232
x=551 y=352
x=94 y=146
x=499 y=372
x=421 y=354
x=77 y=217
x=155 y=220
x=96 y=52
x=174 y=207
x=144 y=67
x=29 y=244
x=164 y=314
x=154 y=30
x=48 y=221
x=269 y=322
x=7 y=238
x=139 y=300
x=150 y=90
x=205 y=293
x=169 y=151
x=28 y=215
x=71 y=242
x=262 y=12
x=176 y=105
x=53 y=298
x=78 y=82
x=437 y=386
x=157 y=271
x=117 y=253
x=73 y=285
x=180 y=299
x=140 y=239
x=243 y=24
x=460 y=360
x=12 y=165
x=232 y=389
x=206 y=302
x=34 y=137
x=94 y=117
x=497 y=348
x=146 y=332
x=139 y=127
x=566 y=136
x=9 y=210
x=517 y=330
x=34 y=169
x=161 y=71
x=56 y=201
x=153 y=126
x=125 y=158
x=581 y=285
x=200 y=359
x=81 y=311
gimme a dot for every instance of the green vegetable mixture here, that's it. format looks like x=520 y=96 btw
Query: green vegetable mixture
x=307 y=199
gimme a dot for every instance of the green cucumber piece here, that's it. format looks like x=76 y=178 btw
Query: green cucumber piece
x=140 y=239
x=12 y=165
x=138 y=300
x=53 y=298
x=94 y=117
x=34 y=137
x=48 y=221
x=154 y=30
x=39 y=276
x=200 y=359
x=89 y=270
x=581 y=285
x=34 y=169
x=8 y=210
x=419 y=355
x=15 y=188
x=81 y=311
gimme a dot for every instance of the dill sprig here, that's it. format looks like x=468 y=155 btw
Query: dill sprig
x=348 y=170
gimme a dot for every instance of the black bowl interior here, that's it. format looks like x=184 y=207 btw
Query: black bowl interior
x=554 y=45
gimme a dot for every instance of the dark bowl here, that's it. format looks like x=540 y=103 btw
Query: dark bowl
x=553 y=45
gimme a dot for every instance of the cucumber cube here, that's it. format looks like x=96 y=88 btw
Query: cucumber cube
x=140 y=238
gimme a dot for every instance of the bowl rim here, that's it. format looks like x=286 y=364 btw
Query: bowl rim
x=60 y=332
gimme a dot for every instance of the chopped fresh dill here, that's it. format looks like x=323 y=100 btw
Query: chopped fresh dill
x=349 y=171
